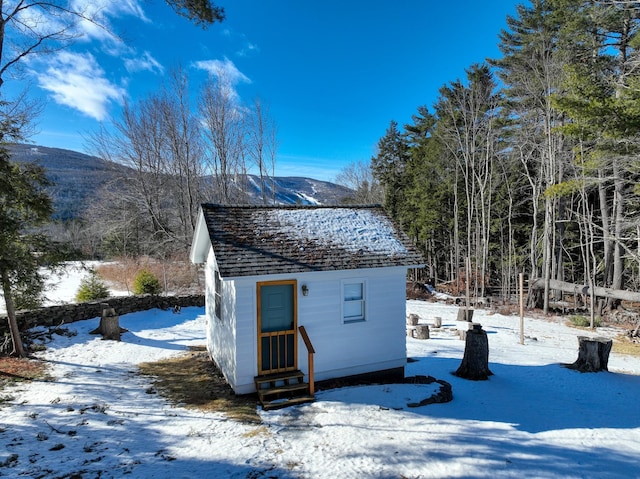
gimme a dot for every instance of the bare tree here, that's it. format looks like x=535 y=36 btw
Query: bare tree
x=183 y=156
x=358 y=177
x=262 y=146
x=223 y=120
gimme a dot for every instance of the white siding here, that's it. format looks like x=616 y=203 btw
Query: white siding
x=221 y=331
x=376 y=344
x=246 y=335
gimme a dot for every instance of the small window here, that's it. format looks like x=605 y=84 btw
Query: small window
x=353 y=306
x=218 y=295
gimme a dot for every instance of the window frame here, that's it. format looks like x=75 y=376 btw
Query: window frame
x=362 y=282
x=217 y=293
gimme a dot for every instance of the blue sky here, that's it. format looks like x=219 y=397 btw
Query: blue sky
x=334 y=73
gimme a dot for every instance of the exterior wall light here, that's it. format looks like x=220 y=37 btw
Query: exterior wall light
x=305 y=290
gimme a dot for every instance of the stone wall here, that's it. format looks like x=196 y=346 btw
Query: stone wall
x=69 y=313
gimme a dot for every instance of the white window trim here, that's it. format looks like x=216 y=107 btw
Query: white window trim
x=345 y=282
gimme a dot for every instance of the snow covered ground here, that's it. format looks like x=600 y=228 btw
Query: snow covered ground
x=533 y=418
x=62 y=286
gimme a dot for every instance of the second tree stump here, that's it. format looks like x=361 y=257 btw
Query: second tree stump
x=475 y=362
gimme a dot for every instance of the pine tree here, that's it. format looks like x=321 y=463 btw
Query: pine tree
x=389 y=168
x=24 y=205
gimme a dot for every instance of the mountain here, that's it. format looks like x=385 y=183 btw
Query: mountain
x=78 y=178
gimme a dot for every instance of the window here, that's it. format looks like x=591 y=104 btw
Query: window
x=218 y=294
x=353 y=306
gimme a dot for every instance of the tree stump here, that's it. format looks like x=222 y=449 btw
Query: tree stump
x=593 y=354
x=475 y=362
x=437 y=322
x=413 y=319
x=465 y=315
x=109 y=325
x=422 y=331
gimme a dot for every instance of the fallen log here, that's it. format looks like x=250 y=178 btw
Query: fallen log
x=598 y=291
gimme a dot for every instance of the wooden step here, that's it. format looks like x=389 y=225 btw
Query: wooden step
x=287 y=388
x=272 y=380
x=282 y=389
x=281 y=403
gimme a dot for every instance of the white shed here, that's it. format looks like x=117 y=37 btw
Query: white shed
x=273 y=274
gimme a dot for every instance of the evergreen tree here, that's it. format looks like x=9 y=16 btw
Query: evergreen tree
x=389 y=168
x=24 y=205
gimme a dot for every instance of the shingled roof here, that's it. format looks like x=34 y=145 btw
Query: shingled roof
x=258 y=240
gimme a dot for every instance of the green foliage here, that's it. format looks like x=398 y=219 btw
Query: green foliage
x=146 y=282
x=91 y=288
x=200 y=12
x=585 y=322
x=566 y=188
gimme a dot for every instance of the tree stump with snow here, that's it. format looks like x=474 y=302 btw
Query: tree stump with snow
x=413 y=319
x=593 y=354
x=437 y=322
x=422 y=331
x=475 y=362
x=465 y=315
x=109 y=325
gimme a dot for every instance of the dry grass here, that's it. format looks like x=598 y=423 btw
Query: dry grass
x=622 y=345
x=192 y=380
x=176 y=275
x=13 y=370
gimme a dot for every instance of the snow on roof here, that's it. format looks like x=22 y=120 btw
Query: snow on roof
x=352 y=229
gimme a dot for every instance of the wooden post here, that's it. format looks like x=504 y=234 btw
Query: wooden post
x=475 y=362
x=468 y=268
x=310 y=352
x=521 y=308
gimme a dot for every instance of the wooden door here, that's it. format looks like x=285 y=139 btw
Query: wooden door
x=277 y=344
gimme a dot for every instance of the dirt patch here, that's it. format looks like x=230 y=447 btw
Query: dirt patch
x=417 y=290
x=192 y=380
x=14 y=370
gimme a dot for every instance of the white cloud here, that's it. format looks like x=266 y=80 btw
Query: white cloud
x=146 y=63
x=224 y=70
x=77 y=81
x=248 y=49
x=97 y=25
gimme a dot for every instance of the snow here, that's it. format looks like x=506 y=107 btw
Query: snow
x=532 y=418
x=62 y=285
x=348 y=228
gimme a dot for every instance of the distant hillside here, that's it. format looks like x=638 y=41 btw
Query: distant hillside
x=78 y=177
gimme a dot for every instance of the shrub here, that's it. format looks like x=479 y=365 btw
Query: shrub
x=584 y=321
x=91 y=288
x=146 y=282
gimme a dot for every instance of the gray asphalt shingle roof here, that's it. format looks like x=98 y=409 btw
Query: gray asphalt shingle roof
x=258 y=240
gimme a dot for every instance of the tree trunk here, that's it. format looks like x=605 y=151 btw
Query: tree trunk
x=422 y=331
x=109 y=325
x=584 y=289
x=475 y=362
x=18 y=348
x=465 y=314
x=593 y=354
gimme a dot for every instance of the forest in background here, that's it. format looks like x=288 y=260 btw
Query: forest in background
x=530 y=163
